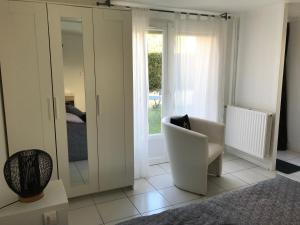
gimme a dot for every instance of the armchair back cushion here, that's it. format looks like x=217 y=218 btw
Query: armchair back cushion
x=183 y=121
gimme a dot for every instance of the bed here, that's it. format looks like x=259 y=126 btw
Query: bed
x=272 y=202
x=77 y=136
x=77 y=141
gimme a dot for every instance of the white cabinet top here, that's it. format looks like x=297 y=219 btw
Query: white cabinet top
x=55 y=198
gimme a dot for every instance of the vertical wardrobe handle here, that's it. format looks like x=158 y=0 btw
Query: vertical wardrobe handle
x=98 y=104
x=55 y=108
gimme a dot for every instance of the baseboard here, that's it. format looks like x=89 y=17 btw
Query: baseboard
x=265 y=163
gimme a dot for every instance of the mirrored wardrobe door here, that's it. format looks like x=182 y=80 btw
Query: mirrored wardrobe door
x=72 y=56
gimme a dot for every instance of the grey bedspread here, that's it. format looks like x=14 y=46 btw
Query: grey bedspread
x=77 y=141
x=272 y=202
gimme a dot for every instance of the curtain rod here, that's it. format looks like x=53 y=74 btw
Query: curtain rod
x=222 y=15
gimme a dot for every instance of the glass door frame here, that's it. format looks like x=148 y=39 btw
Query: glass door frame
x=157 y=141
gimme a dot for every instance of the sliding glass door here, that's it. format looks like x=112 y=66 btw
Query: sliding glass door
x=156 y=50
x=155 y=65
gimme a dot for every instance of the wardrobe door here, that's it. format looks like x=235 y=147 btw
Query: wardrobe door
x=26 y=77
x=72 y=56
x=113 y=65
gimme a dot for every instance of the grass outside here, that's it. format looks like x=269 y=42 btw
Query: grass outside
x=154 y=117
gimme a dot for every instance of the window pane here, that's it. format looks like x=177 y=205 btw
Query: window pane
x=155 y=53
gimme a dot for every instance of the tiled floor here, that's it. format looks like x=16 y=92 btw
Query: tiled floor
x=79 y=172
x=157 y=193
x=291 y=157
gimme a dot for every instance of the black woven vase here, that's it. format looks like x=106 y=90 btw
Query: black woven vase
x=28 y=172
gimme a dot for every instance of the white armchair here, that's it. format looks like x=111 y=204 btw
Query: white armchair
x=194 y=153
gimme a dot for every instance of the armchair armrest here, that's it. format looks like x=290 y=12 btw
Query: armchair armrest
x=215 y=131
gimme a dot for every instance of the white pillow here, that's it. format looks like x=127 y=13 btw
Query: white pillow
x=73 y=118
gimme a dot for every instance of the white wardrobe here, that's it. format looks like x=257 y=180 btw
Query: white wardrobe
x=67 y=86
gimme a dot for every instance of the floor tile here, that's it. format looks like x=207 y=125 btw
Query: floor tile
x=229 y=157
x=114 y=206
x=244 y=163
x=178 y=205
x=161 y=181
x=231 y=166
x=213 y=189
x=75 y=176
x=108 y=196
x=157 y=211
x=293 y=176
x=122 y=220
x=237 y=165
x=224 y=172
x=195 y=201
x=140 y=186
x=175 y=195
x=87 y=216
x=250 y=176
x=286 y=155
x=149 y=201
x=83 y=168
x=265 y=172
x=80 y=202
x=295 y=161
x=240 y=188
x=228 y=182
x=296 y=176
x=155 y=170
x=166 y=167
x=116 y=210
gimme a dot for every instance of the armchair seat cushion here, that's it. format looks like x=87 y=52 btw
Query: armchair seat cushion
x=214 y=150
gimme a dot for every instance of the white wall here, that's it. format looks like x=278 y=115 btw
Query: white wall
x=6 y=195
x=259 y=57
x=73 y=67
x=293 y=90
x=260 y=64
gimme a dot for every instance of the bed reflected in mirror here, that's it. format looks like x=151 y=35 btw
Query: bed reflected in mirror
x=75 y=102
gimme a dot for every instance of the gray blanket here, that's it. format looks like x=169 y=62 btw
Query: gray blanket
x=77 y=141
x=272 y=202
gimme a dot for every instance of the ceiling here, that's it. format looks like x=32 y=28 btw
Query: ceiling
x=207 y=5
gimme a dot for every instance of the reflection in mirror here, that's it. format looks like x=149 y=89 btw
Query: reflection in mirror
x=74 y=88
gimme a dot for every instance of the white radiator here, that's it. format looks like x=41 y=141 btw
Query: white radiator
x=248 y=131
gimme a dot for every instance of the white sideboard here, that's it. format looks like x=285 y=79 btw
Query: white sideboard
x=54 y=203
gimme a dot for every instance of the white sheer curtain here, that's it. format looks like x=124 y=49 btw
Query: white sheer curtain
x=233 y=32
x=140 y=23
x=195 y=81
